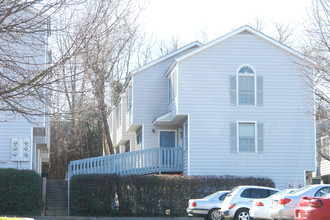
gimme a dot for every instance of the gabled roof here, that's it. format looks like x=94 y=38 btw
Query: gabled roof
x=238 y=31
x=152 y=63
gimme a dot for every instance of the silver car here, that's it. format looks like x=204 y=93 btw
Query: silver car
x=283 y=205
x=240 y=200
x=207 y=207
x=260 y=209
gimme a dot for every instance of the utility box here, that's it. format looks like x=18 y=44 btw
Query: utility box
x=20 y=149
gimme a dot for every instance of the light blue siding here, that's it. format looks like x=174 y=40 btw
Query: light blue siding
x=17 y=128
x=150 y=98
x=204 y=94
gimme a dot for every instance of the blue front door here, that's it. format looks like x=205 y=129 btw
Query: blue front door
x=167 y=139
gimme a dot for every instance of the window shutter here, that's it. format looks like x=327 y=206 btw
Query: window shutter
x=232 y=90
x=260 y=96
x=233 y=138
x=260 y=137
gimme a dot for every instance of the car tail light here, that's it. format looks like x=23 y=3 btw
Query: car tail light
x=193 y=204
x=284 y=201
x=259 y=204
x=232 y=206
x=316 y=203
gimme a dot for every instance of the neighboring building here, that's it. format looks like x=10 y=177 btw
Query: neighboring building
x=322 y=140
x=24 y=144
x=235 y=106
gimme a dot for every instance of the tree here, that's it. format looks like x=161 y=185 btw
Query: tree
x=25 y=32
x=106 y=55
x=317 y=50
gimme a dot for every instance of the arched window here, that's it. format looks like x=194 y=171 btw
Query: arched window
x=246 y=85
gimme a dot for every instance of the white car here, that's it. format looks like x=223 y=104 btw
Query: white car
x=283 y=205
x=207 y=207
x=240 y=200
x=260 y=209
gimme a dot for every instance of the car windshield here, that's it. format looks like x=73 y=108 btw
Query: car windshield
x=298 y=191
x=212 y=195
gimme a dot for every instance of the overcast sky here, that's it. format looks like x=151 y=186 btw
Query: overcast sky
x=186 y=18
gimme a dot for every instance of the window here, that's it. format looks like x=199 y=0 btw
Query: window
x=172 y=84
x=118 y=115
x=129 y=97
x=246 y=137
x=322 y=192
x=170 y=89
x=246 y=86
x=139 y=138
x=222 y=198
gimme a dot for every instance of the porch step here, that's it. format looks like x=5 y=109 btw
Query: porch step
x=57 y=198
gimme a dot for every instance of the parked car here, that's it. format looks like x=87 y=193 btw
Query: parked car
x=313 y=208
x=260 y=208
x=207 y=207
x=283 y=205
x=240 y=200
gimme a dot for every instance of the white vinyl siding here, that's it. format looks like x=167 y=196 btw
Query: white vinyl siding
x=151 y=98
x=284 y=134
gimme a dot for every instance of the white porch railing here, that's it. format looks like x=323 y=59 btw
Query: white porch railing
x=155 y=160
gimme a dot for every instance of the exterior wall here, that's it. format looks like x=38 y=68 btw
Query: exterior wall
x=150 y=99
x=119 y=134
x=203 y=94
x=18 y=128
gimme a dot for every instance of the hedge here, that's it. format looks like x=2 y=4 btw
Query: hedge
x=137 y=195
x=20 y=192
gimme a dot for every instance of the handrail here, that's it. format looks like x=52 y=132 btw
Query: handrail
x=154 y=160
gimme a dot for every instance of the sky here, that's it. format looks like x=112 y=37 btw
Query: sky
x=185 y=19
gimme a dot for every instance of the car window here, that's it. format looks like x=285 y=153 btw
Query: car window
x=322 y=192
x=221 y=198
x=258 y=193
x=271 y=192
x=246 y=193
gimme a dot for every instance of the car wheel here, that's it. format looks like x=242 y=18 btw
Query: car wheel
x=214 y=214
x=242 y=214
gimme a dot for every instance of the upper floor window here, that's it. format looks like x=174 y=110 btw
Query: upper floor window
x=246 y=86
x=129 y=97
x=118 y=115
x=172 y=85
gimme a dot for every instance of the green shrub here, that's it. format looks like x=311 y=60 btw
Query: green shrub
x=113 y=195
x=20 y=192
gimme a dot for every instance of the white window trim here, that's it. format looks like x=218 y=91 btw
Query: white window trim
x=255 y=136
x=255 y=83
x=176 y=136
